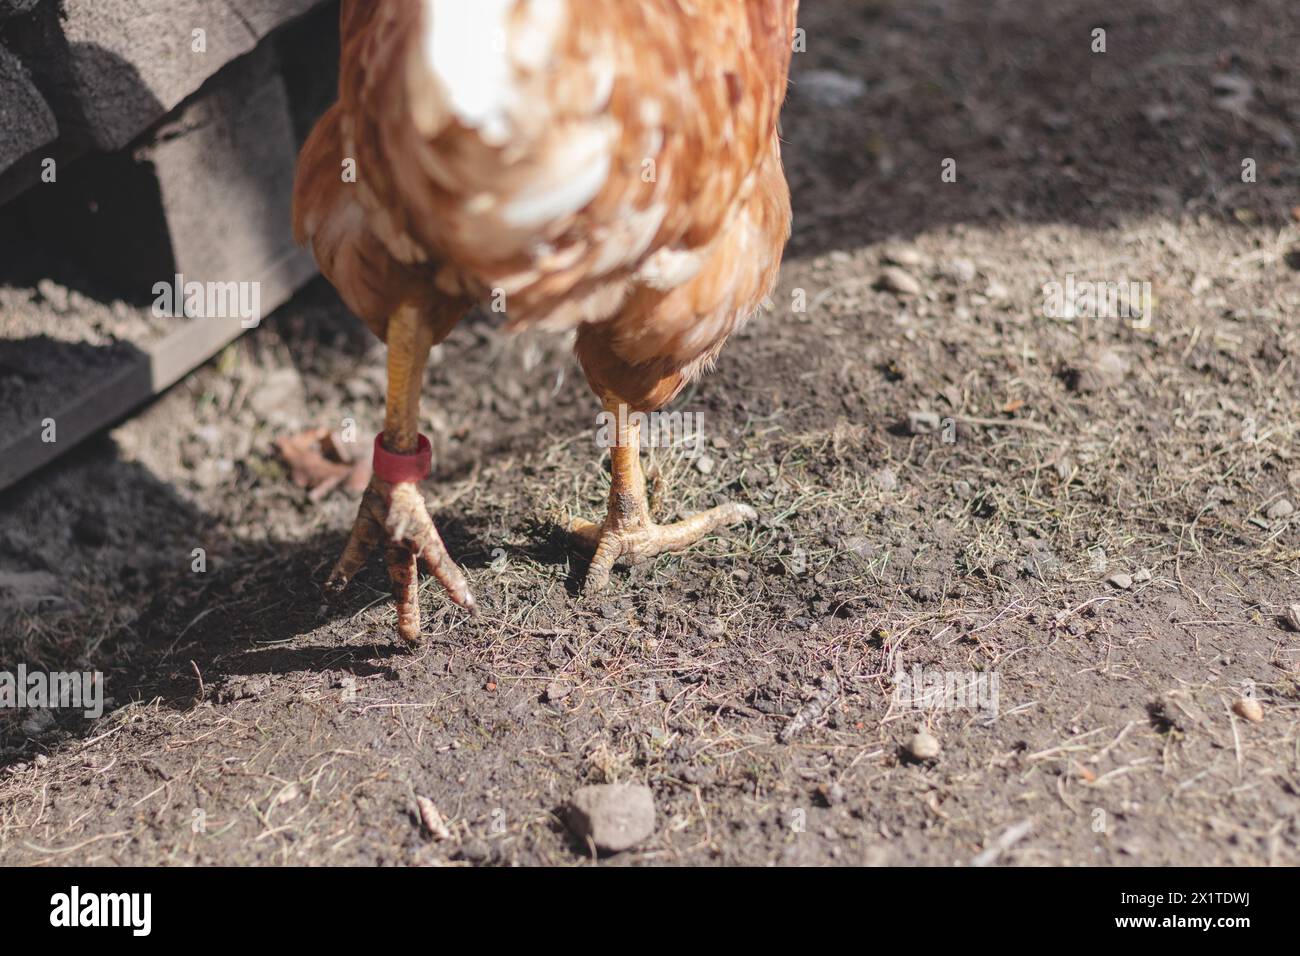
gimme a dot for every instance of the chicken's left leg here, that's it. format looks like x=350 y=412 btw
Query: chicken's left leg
x=629 y=535
x=392 y=509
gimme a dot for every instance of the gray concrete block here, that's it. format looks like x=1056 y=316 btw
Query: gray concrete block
x=12 y=8
x=26 y=121
x=225 y=168
x=112 y=68
x=263 y=16
x=208 y=195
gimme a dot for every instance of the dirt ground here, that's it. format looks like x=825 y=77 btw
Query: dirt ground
x=1097 y=514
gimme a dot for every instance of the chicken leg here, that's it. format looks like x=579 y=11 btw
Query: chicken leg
x=394 y=512
x=628 y=534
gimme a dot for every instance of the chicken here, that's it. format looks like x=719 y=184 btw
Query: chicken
x=597 y=165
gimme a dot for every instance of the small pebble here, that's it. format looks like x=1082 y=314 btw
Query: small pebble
x=614 y=817
x=1248 y=708
x=961 y=270
x=1056 y=121
x=712 y=627
x=997 y=292
x=832 y=794
x=895 y=280
x=1291 y=617
x=556 y=691
x=1142 y=576
x=1120 y=580
x=903 y=256
x=923 y=746
x=829 y=88
x=704 y=465
x=1282 y=508
x=923 y=423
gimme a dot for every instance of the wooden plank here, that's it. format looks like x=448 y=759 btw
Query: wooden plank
x=147 y=373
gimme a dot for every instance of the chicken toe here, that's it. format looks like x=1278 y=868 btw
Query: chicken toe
x=395 y=514
x=628 y=534
x=621 y=540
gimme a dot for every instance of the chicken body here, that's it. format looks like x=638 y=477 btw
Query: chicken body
x=602 y=165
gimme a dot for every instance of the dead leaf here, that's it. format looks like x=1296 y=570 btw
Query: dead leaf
x=310 y=468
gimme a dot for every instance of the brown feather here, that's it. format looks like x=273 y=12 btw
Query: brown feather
x=623 y=177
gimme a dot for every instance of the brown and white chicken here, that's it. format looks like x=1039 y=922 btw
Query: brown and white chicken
x=601 y=165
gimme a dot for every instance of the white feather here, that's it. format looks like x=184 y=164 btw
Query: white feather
x=475 y=57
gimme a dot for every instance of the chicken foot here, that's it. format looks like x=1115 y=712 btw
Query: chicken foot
x=628 y=535
x=394 y=513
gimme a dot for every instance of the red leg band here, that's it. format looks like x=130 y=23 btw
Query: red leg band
x=396 y=469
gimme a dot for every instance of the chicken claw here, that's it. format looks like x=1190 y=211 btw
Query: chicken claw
x=633 y=538
x=396 y=514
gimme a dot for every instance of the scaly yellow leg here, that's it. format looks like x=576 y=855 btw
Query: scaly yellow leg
x=628 y=534
x=396 y=513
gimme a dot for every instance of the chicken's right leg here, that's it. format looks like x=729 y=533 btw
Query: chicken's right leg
x=392 y=509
